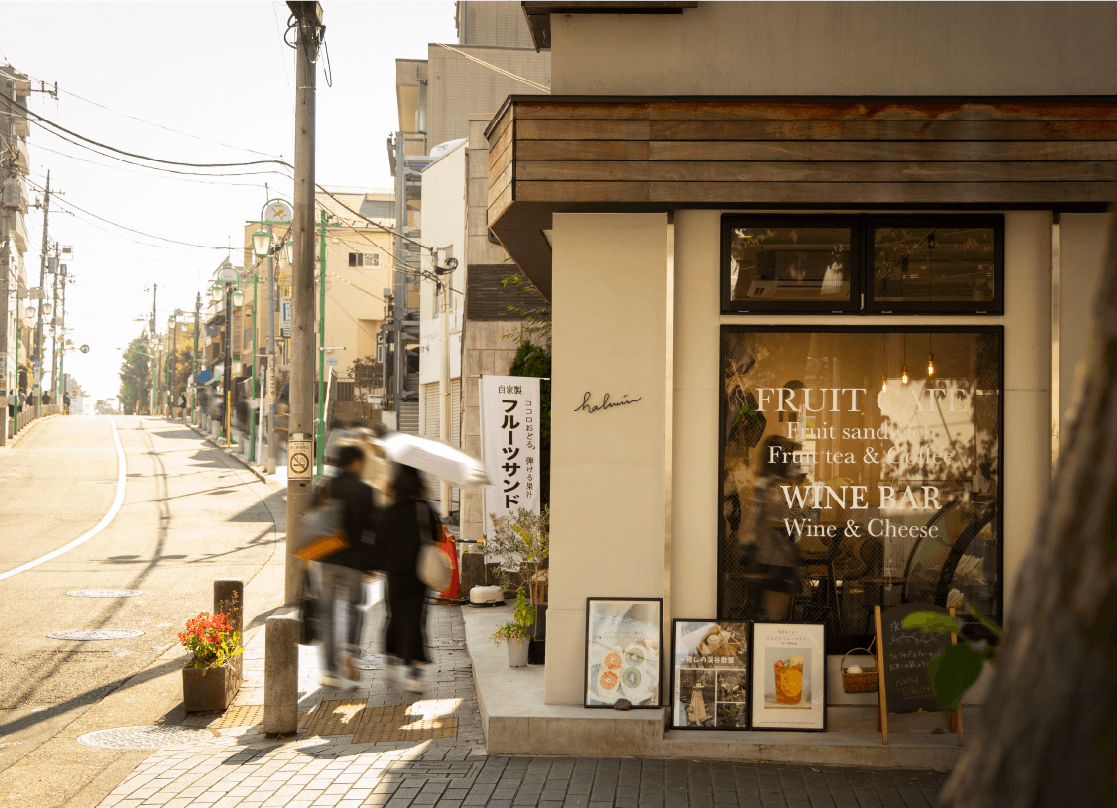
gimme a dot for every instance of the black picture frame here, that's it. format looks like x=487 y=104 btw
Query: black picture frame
x=674 y=704
x=818 y=685
x=652 y=643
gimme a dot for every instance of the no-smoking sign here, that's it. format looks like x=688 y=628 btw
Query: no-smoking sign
x=299 y=454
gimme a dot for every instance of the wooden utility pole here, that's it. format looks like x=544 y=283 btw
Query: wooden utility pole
x=300 y=435
x=38 y=349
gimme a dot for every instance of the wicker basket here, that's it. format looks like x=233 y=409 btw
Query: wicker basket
x=863 y=682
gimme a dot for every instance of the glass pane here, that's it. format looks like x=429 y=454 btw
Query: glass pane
x=882 y=492
x=933 y=263
x=790 y=263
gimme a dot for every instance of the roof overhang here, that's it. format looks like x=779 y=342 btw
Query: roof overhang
x=538 y=15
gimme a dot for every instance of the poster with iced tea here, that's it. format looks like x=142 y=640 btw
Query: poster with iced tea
x=788 y=689
x=623 y=651
x=709 y=674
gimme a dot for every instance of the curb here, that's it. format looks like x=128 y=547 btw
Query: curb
x=15 y=438
x=259 y=474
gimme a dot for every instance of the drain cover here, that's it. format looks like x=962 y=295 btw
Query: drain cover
x=145 y=737
x=96 y=634
x=105 y=593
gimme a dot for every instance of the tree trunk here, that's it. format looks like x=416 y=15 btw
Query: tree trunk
x=1049 y=737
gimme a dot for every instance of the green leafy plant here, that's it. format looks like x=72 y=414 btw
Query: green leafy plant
x=523 y=618
x=521 y=543
x=211 y=640
x=955 y=667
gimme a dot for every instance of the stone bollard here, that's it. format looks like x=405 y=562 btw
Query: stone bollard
x=228 y=597
x=281 y=675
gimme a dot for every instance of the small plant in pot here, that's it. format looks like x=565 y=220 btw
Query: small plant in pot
x=516 y=631
x=209 y=680
x=520 y=543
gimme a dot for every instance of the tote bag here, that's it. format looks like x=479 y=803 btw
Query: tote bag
x=432 y=566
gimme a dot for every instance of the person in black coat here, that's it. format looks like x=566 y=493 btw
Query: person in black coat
x=398 y=541
x=345 y=570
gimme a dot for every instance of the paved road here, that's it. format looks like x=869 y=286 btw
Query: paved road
x=189 y=514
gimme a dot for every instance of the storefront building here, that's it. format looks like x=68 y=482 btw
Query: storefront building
x=873 y=229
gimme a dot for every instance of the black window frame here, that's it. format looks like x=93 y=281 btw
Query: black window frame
x=862 y=257
x=851 y=306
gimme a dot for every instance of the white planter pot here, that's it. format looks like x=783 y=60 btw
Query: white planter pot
x=517 y=653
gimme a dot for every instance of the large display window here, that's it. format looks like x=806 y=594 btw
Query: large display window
x=876 y=456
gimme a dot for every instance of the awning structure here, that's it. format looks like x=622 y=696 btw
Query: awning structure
x=585 y=154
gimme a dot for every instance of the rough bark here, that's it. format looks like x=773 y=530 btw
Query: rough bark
x=1049 y=737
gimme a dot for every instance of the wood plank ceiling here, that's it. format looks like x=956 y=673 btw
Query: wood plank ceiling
x=551 y=155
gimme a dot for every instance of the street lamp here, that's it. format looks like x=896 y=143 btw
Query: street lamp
x=225 y=282
x=261 y=243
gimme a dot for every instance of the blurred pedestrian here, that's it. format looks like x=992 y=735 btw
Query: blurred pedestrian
x=767 y=551
x=400 y=534
x=66 y=403
x=344 y=571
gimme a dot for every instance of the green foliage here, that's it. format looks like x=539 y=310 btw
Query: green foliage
x=521 y=543
x=367 y=373
x=135 y=374
x=955 y=667
x=536 y=322
x=523 y=618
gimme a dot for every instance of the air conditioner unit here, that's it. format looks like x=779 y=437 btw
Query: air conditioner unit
x=800 y=274
x=798 y=290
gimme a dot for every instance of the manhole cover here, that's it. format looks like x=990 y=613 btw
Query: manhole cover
x=104 y=593
x=96 y=634
x=145 y=737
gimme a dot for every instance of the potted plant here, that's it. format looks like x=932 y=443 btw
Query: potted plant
x=209 y=679
x=516 y=631
x=520 y=543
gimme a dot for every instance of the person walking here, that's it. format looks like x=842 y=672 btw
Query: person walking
x=66 y=403
x=344 y=571
x=398 y=542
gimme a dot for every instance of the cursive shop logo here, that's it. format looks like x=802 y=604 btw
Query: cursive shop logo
x=605 y=404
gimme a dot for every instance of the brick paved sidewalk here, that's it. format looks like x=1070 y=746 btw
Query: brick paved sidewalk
x=362 y=748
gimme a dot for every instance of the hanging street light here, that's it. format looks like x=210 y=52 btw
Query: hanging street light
x=261 y=243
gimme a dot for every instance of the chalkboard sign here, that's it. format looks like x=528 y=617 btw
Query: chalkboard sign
x=905 y=655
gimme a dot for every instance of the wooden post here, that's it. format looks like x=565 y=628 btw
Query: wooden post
x=956 y=715
x=882 y=702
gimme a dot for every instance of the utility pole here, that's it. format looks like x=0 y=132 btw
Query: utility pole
x=269 y=379
x=308 y=17
x=194 y=361
x=54 y=322
x=37 y=368
x=6 y=262
x=151 y=347
x=61 y=388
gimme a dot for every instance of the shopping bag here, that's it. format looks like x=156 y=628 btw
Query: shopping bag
x=432 y=566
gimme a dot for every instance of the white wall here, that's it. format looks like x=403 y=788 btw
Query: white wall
x=607 y=470
x=854 y=49
x=607 y=485
x=1083 y=244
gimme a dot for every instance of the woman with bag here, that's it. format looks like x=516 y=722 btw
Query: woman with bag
x=402 y=531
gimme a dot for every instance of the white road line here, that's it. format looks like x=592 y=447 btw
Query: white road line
x=121 y=479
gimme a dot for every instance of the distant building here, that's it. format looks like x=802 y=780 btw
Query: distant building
x=13 y=182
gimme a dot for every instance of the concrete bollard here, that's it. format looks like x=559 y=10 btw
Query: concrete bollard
x=281 y=675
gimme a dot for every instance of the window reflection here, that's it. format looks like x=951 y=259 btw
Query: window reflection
x=899 y=502
x=790 y=263
x=933 y=263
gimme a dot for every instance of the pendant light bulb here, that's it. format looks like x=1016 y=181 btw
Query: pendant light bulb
x=904 y=375
x=930 y=364
x=883 y=384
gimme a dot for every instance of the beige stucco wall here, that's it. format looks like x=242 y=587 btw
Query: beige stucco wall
x=886 y=48
x=607 y=468
x=609 y=335
x=1082 y=238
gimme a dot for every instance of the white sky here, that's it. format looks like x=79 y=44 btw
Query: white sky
x=216 y=70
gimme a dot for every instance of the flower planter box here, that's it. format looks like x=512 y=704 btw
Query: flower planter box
x=207 y=690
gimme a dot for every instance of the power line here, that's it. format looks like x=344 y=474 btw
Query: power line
x=501 y=70
x=20 y=107
x=69 y=204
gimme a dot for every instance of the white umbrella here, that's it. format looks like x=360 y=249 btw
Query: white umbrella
x=435 y=457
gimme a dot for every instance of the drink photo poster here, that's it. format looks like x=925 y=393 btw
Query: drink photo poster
x=788 y=689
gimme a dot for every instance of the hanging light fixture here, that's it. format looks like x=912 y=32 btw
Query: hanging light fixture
x=930 y=357
x=884 y=361
x=216 y=293
x=904 y=367
x=261 y=243
x=289 y=251
x=238 y=298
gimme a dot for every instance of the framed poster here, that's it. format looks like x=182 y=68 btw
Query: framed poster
x=622 y=651
x=788 y=689
x=709 y=674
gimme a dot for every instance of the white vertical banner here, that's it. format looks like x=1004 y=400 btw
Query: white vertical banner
x=510 y=444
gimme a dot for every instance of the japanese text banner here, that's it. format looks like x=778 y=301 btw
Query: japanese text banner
x=510 y=444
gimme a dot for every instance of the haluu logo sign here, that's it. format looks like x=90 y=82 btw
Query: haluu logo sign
x=606 y=403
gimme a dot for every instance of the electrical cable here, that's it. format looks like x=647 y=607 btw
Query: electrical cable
x=21 y=108
x=541 y=87
x=63 y=201
x=370 y=221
